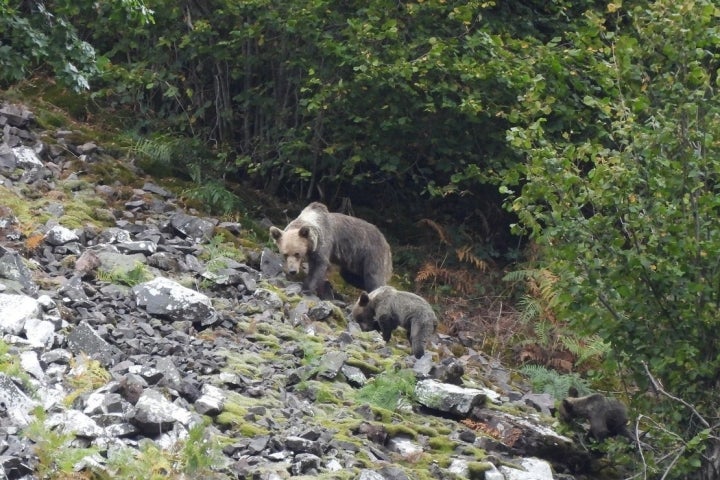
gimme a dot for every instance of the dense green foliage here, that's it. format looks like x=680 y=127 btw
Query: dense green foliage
x=600 y=120
x=627 y=207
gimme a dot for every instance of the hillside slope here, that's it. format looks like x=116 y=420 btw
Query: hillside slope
x=142 y=340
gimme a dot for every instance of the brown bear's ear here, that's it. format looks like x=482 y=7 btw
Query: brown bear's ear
x=275 y=233
x=573 y=392
x=304 y=232
x=364 y=299
x=567 y=406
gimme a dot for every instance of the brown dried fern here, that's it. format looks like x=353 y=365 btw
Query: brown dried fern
x=461 y=281
x=444 y=238
x=465 y=254
x=33 y=242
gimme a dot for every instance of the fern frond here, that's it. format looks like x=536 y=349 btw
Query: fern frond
x=158 y=149
x=549 y=381
x=444 y=238
x=460 y=280
x=426 y=272
x=530 y=308
x=519 y=275
x=589 y=348
x=465 y=254
x=546 y=282
x=543 y=332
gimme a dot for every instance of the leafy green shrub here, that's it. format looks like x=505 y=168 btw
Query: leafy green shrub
x=389 y=390
x=57 y=458
x=621 y=198
x=10 y=365
x=135 y=276
x=86 y=375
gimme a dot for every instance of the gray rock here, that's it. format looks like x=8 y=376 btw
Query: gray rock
x=84 y=339
x=73 y=293
x=494 y=474
x=391 y=472
x=103 y=403
x=152 y=188
x=113 y=235
x=171 y=376
x=12 y=267
x=8 y=161
x=59 y=235
x=224 y=276
x=404 y=446
x=167 y=298
x=74 y=422
x=143 y=246
x=27 y=158
x=330 y=364
x=449 y=398
x=15 y=310
x=111 y=260
x=267 y=300
x=321 y=311
x=303 y=445
x=16 y=404
x=194 y=228
x=305 y=464
x=354 y=376
x=31 y=364
x=58 y=355
x=271 y=264
x=156 y=414
x=16 y=115
x=211 y=402
x=370 y=475
x=39 y=333
x=149 y=374
x=87 y=148
x=531 y=469
x=542 y=402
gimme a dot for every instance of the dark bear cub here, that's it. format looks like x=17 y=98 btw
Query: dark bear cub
x=607 y=416
x=386 y=308
x=321 y=238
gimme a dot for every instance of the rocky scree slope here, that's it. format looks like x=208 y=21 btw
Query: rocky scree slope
x=139 y=342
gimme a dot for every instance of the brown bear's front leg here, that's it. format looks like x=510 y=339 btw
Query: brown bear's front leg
x=387 y=325
x=317 y=271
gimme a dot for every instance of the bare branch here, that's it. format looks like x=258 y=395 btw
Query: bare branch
x=659 y=388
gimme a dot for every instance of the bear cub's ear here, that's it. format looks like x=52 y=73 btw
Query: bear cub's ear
x=276 y=233
x=364 y=299
x=305 y=232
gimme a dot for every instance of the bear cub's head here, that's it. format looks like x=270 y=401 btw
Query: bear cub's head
x=363 y=312
x=294 y=245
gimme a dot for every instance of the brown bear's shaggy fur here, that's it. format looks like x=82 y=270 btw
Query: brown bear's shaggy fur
x=387 y=308
x=322 y=237
x=607 y=416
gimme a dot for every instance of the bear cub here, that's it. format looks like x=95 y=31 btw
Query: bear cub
x=608 y=417
x=321 y=238
x=386 y=308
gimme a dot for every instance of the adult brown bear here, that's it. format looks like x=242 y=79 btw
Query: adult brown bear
x=321 y=238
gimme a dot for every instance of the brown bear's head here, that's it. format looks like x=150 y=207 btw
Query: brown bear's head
x=294 y=245
x=364 y=313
